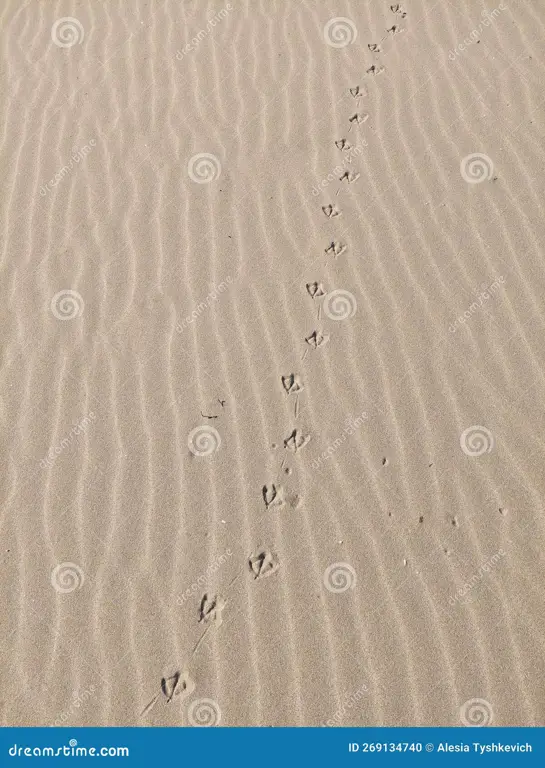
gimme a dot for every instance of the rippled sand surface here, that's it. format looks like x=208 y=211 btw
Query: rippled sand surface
x=272 y=363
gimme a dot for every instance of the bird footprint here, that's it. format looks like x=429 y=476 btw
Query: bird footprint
x=210 y=609
x=317 y=339
x=296 y=441
x=397 y=8
x=263 y=563
x=350 y=176
x=358 y=119
x=273 y=496
x=292 y=383
x=315 y=290
x=336 y=248
x=178 y=684
x=175 y=685
x=330 y=211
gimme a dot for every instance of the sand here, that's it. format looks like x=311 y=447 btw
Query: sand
x=272 y=363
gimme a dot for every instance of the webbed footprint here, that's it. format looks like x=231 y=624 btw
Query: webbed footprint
x=330 y=211
x=296 y=441
x=317 y=339
x=211 y=608
x=292 y=383
x=273 y=495
x=263 y=563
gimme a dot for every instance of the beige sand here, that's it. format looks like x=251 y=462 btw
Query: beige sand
x=354 y=535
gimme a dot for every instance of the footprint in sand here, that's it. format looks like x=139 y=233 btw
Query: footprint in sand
x=335 y=248
x=317 y=339
x=375 y=48
x=210 y=609
x=358 y=118
x=397 y=8
x=349 y=176
x=358 y=92
x=374 y=70
x=294 y=501
x=296 y=441
x=178 y=684
x=263 y=563
x=330 y=211
x=315 y=290
x=292 y=384
x=343 y=144
x=395 y=30
x=273 y=495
